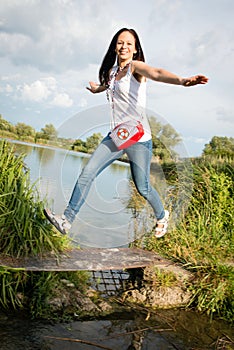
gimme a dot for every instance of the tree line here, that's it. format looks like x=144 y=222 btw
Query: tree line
x=24 y=131
x=164 y=138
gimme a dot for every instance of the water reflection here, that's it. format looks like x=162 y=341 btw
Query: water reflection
x=165 y=330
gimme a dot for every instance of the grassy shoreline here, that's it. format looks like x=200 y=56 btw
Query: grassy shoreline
x=202 y=241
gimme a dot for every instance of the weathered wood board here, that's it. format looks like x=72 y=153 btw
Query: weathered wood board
x=92 y=259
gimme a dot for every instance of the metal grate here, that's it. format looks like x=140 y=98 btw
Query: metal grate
x=109 y=283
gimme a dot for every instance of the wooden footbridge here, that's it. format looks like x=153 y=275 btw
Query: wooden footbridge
x=93 y=259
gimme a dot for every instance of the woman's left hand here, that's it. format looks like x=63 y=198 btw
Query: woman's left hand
x=196 y=79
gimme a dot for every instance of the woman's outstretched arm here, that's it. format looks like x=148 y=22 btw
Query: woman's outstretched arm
x=164 y=76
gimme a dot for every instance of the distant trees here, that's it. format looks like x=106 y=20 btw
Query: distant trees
x=164 y=138
x=89 y=145
x=93 y=141
x=23 y=130
x=219 y=148
x=26 y=132
x=5 y=125
x=47 y=133
x=79 y=146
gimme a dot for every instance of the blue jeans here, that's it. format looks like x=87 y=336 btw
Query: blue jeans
x=139 y=156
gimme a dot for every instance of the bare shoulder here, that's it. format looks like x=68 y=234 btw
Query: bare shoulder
x=136 y=66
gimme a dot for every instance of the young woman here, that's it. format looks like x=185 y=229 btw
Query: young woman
x=123 y=76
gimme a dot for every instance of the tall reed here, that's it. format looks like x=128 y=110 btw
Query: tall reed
x=24 y=231
x=23 y=228
x=203 y=239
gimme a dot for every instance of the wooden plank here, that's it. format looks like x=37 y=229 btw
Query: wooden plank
x=94 y=259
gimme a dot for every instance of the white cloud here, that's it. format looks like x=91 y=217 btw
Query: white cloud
x=62 y=100
x=44 y=90
x=6 y=89
x=49 y=50
x=53 y=35
x=9 y=88
x=37 y=91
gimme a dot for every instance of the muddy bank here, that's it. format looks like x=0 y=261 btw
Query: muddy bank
x=148 y=288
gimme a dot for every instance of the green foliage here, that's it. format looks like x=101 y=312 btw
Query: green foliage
x=48 y=133
x=213 y=291
x=164 y=138
x=208 y=222
x=5 y=125
x=220 y=148
x=33 y=290
x=164 y=278
x=89 y=145
x=24 y=231
x=93 y=141
x=11 y=285
x=203 y=239
x=23 y=131
x=42 y=286
x=79 y=146
x=23 y=228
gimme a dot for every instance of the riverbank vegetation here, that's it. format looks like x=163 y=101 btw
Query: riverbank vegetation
x=201 y=240
x=24 y=231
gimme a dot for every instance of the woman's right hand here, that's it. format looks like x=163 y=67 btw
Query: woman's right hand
x=92 y=87
x=95 y=88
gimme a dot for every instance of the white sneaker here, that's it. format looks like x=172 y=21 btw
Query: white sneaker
x=60 y=222
x=161 y=225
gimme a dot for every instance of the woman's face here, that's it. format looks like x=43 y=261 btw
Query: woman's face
x=125 y=47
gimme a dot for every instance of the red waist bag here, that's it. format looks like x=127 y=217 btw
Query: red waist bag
x=127 y=133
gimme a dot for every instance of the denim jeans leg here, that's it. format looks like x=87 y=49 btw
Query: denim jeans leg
x=140 y=155
x=104 y=155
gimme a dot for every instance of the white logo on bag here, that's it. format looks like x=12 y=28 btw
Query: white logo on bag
x=123 y=133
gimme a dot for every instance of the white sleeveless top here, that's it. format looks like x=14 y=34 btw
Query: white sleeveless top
x=127 y=99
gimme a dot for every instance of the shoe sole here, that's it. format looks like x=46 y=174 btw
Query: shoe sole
x=48 y=214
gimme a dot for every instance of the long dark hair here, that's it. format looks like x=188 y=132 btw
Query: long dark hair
x=110 y=56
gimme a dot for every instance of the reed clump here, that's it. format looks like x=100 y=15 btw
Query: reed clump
x=23 y=228
x=202 y=239
x=24 y=231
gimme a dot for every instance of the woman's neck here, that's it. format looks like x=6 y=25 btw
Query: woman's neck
x=122 y=65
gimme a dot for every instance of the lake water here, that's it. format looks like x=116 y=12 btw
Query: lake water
x=104 y=220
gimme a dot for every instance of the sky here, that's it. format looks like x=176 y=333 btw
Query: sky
x=50 y=50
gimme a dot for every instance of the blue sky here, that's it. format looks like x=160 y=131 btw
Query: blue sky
x=49 y=50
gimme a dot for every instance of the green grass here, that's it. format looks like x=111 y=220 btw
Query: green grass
x=202 y=240
x=24 y=231
x=23 y=228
